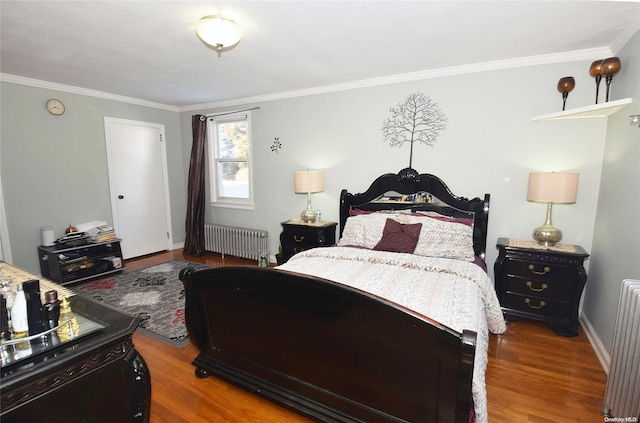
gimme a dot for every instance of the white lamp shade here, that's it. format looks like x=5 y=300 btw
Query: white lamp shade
x=553 y=187
x=218 y=32
x=308 y=181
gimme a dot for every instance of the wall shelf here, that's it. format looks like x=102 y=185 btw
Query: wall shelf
x=595 y=111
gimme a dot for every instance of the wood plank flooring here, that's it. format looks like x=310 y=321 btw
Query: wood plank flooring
x=533 y=376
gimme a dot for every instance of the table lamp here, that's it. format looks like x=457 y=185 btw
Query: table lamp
x=551 y=188
x=308 y=182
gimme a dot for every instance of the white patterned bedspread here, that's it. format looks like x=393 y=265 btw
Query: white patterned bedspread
x=456 y=293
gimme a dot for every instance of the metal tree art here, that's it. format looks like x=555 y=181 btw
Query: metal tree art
x=418 y=119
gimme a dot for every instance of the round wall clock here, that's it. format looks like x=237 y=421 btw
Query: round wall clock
x=55 y=107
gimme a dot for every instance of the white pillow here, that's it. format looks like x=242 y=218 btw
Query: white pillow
x=439 y=238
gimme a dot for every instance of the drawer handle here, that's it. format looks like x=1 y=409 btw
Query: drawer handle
x=533 y=270
x=528 y=301
x=530 y=285
x=296 y=239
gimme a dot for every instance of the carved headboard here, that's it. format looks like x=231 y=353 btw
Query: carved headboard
x=408 y=190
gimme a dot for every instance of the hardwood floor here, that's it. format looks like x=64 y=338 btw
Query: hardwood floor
x=533 y=376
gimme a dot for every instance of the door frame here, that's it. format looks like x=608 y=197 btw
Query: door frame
x=165 y=182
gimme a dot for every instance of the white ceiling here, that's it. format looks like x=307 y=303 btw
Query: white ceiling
x=148 y=50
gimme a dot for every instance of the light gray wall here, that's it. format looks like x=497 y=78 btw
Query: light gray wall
x=490 y=145
x=616 y=245
x=54 y=168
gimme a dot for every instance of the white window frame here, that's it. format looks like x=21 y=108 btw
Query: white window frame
x=215 y=161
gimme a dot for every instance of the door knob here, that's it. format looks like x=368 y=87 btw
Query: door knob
x=120 y=197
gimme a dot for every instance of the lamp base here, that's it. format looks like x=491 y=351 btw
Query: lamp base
x=547 y=235
x=308 y=216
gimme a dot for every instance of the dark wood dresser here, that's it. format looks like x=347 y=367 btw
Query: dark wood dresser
x=96 y=377
x=297 y=236
x=541 y=283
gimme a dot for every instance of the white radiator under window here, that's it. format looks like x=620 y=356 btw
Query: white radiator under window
x=236 y=241
x=622 y=396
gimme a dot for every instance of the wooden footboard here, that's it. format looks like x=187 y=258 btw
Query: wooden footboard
x=325 y=350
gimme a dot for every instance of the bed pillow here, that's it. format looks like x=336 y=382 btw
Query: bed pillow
x=398 y=237
x=442 y=238
x=364 y=230
x=438 y=238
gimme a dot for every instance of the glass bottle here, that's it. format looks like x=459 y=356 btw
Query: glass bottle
x=67 y=331
x=8 y=293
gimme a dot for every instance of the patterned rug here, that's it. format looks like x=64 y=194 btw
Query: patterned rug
x=154 y=294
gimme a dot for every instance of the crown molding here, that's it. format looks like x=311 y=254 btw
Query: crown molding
x=571 y=56
x=14 y=79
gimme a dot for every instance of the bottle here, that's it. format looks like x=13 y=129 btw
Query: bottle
x=51 y=309
x=31 y=290
x=67 y=331
x=9 y=296
x=4 y=319
x=8 y=293
x=19 y=317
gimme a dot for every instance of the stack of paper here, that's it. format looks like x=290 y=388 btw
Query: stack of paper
x=98 y=231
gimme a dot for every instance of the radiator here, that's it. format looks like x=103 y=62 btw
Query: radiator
x=235 y=241
x=622 y=395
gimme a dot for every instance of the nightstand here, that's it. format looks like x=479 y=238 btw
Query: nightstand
x=541 y=283
x=298 y=236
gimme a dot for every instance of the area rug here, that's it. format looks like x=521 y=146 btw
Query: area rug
x=154 y=294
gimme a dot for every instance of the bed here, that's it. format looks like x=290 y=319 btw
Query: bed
x=357 y=333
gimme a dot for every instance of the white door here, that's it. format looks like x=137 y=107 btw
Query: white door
x=139 y=187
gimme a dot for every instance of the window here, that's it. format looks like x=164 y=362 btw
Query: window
x=230 y=160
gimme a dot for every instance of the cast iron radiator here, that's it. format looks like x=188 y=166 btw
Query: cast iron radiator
x=622 y=396
x=236 y=241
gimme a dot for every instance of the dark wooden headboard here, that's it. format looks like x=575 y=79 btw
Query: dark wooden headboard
x=408 y=182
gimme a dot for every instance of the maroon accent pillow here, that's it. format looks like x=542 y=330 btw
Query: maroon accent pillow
x=398 y=237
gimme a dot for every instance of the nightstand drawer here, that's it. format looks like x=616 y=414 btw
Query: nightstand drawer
x=547 y=289
x=308 y=235
x=302 y=239
x=541 y=271
x=537 y=305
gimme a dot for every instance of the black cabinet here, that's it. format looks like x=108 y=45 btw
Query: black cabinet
x=541 y=283
x=98 y=376
x=66 y=264
x=298 y=236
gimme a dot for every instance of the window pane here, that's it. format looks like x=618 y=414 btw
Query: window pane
x=234 y=179
x=233 y=140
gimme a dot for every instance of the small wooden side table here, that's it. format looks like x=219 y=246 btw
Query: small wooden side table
x=298 y=236
x=541 y=283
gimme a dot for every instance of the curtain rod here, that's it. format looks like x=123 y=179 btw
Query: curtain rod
x=231 y=112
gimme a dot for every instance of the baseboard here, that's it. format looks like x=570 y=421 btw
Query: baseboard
x=598 y=347
x=178 y=246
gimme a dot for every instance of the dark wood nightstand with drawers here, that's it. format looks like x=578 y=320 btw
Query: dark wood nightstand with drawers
x=541 y=283
x=297 y=236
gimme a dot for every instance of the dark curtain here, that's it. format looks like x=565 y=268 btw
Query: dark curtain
x=194 y=240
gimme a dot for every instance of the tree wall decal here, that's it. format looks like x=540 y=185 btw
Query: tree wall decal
x=418 y=119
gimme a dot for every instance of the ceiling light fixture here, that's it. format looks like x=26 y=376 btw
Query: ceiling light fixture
x=218 y=32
